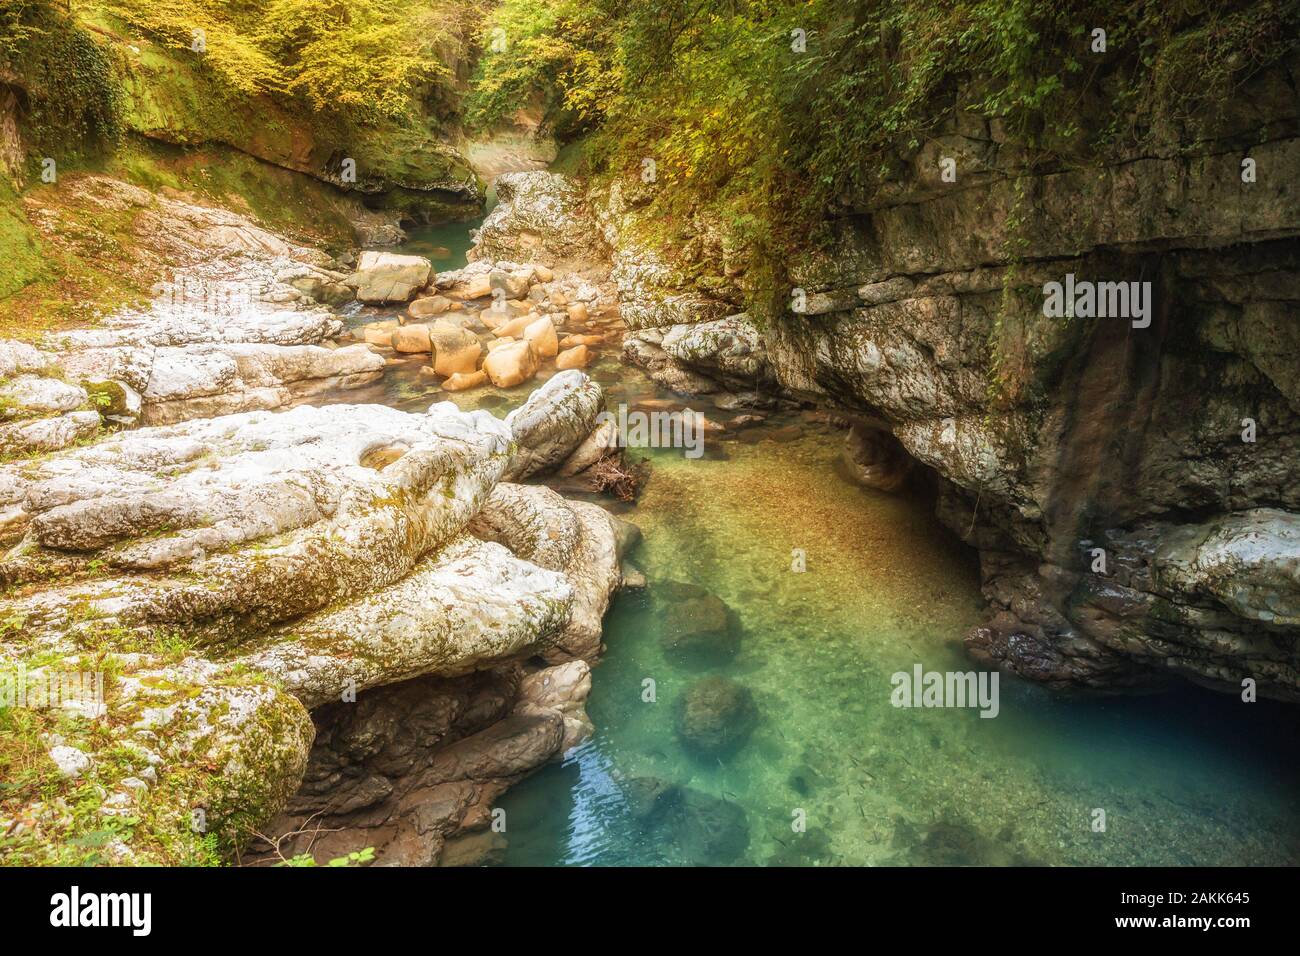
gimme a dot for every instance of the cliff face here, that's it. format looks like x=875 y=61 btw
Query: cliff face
x=1129 y=480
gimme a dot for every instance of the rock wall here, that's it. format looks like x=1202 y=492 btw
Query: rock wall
x=1130 y=482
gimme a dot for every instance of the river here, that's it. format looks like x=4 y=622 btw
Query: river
x=833 y=773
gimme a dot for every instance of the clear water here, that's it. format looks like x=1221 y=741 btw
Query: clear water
x=1186 y=778
x=1191 y=777
x=445 y=244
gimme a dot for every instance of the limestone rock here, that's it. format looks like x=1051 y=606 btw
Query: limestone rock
x=730 y=348
x=1248 y=562
x=513 y=364
x=553 y=422
x=470 y=605
x=212 y=380
x=574 y=537
x=537 y=216
x=388 y=277
x=202 y=496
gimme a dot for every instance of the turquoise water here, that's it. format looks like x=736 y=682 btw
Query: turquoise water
x=1184 y=778
x=445 y=244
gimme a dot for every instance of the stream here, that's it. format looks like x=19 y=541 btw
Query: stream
x=1188 y=777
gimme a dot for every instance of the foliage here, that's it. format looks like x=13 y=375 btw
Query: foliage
x=355 y=858
x=772 y=139
x=364 y=58
x=72 y=97
x=555 y=55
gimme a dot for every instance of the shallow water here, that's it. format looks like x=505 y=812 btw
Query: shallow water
x=1191 y=777
x=445 y=244
x=1185 y=778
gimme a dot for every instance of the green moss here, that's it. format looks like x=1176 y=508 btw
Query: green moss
x=20 y=248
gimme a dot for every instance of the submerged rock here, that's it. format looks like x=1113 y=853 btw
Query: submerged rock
x=512 y=364
x=686 y=825
x=698 y=627
x=716 y=716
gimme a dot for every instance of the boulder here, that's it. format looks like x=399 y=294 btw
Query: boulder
x=379 y=333
x=552 y=422
x=512 y=285
x=460 y=381
x=470 y=604
x=512 y=364
x=319 y=286
x=715 y=716
x=515 y=328
x=576 y=357
x=475 y=287
x=601 y=443
x=29 y=396
x=730 y=349
x=411 y=338
x=47 y=434
x=455 y=350
x=428 y=307
x=115 y=400
x=1249 y=562
x=388 y=277
x=541 y=333
x=572 y=341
